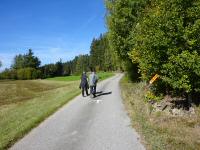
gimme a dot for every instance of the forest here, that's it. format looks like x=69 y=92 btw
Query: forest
x=27 y=66
x=158 y=37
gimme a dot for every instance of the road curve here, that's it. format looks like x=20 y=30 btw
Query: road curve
x=86 y=124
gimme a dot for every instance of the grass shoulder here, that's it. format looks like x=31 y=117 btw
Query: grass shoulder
x=102 y=76
x=158 y=130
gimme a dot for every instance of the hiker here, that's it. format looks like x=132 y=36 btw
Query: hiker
x=93 y=79
x=84 y=84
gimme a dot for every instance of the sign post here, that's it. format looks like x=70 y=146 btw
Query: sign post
x=154 y=79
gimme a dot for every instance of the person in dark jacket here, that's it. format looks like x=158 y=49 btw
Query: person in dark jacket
x=84 y=84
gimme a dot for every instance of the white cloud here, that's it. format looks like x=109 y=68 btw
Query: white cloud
x=48 y=54
x=54 y=54
x=6 y=59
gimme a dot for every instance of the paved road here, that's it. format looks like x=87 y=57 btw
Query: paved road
x=85 y=124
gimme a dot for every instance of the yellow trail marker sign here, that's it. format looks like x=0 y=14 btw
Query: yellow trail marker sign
x=154 y=79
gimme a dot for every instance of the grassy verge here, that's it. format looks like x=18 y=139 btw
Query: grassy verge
x=160 y=131
x=25 y=104
x=66 y=78
x=102 y=76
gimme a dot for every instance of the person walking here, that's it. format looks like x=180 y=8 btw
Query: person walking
x=84 y=84
x=93 y=79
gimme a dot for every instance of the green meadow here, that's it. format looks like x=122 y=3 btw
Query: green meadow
x=102 y=76
x=26 y=103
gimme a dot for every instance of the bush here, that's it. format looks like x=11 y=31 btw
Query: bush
x=183 y=71
x=21 y=74
x=28 y=74
x=5 y=74
x=36 y=74
x=132 y=70
x=166 y=41
x=13 y=74
x=150 y=96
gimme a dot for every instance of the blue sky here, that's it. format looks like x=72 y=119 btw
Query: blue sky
x=53 y=29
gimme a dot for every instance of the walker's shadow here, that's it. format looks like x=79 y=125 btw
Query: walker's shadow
x=101 y=93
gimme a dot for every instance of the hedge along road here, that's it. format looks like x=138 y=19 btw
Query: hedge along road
x=86 y=124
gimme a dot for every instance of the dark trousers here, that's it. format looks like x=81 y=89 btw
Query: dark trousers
x=86 y=90
x=93 y=90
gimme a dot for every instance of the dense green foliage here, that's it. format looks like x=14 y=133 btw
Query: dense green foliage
x=26 y=61
x=52 y=70
x=101 y=58
x=161 y=36
x=166 y=41
x=28 y=73
x=25 y=67
x=122 y=16
x=101 y=55
x=82 y=64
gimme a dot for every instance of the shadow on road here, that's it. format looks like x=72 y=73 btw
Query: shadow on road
x=101 y=93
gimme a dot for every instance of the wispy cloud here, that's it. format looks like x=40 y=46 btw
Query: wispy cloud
x=87 y=24
x=54 y=54
x=49 y=50
x=6 y=59
x=47 y=55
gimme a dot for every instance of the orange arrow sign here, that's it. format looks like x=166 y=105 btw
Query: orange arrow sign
x=154 y=79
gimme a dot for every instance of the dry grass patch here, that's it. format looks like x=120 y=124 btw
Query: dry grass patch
x=17 y=91
x=159 y=130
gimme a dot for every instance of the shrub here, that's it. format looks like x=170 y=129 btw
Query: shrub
x=28 y=74
x=166 y=41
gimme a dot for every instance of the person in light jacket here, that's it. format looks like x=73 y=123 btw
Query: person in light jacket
x=93 y=79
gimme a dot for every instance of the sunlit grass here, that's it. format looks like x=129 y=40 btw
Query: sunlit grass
x=102 y=76
x=24 y=104
x=160 y=131
x=66 y=78
x=27 y=110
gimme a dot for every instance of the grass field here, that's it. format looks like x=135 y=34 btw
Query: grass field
x=24 y=104
x=160 y=131
x=67 y=78
x=102 y=76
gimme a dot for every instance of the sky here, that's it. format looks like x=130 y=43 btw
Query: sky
x=53 y=29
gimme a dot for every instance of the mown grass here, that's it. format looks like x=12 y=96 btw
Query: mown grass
x=30 y=107
x=66 y=78
x=25 y=104
x=159 y=130
x=14 y=91
x=102 y=76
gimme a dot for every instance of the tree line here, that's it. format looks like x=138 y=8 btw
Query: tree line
x=158 y=37
x=27 y=66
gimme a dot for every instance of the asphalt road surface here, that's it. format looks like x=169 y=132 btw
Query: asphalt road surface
x=86 y=124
